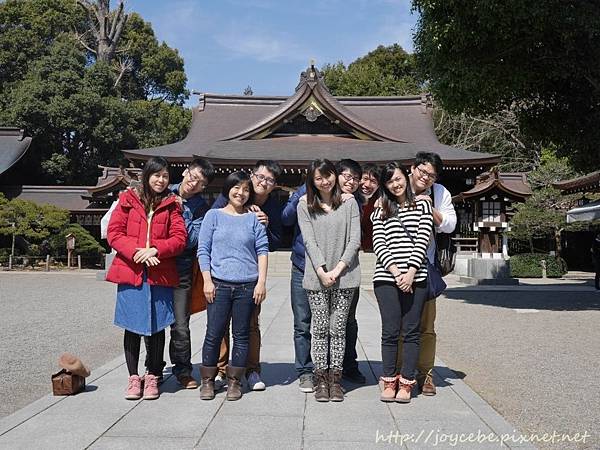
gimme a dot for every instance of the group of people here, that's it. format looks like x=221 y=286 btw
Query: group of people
x=158 y=229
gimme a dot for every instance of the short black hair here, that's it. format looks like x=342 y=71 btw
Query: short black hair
x=349 y=164
x=235 y=178
x=205 y=166
x=431 y=158
x=371 y=169
x=271 y=165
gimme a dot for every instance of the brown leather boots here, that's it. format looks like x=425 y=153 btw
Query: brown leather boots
x=234 y=382
x=327 y=385
x=207 y=389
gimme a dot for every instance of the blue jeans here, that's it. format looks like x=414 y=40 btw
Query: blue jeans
x=302 y=319
x=232 y=300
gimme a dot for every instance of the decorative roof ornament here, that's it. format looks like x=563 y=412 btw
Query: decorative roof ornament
x=312 y=113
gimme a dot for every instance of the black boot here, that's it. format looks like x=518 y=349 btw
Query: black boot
x=321 y=385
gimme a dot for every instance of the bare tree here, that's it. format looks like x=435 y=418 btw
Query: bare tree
x=106 y=28
x=498 y=133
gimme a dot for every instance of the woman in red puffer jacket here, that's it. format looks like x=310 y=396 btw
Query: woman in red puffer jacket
x=148 y=232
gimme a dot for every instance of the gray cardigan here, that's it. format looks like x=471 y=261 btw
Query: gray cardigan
x=330 y=238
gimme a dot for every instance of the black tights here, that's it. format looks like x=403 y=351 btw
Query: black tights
x=155 y=347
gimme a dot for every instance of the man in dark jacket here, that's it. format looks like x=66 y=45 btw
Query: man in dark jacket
x=196 y=177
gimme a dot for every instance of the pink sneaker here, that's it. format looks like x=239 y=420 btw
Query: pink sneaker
x=134 y=388
x=150 y=387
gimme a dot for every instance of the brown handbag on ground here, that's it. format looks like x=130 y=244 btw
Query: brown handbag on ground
x=67 y=383
x=198 y=302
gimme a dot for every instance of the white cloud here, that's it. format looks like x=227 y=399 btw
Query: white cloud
x=261 y=45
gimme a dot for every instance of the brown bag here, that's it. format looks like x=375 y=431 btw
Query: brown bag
x=67 y=383
x=198 y=302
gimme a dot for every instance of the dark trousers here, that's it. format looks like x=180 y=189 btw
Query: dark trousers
x=597 y=269
x=302 y=320
x=350 y=355
x=180 y=351
x=400 y=314
x=232 y=301
x=155 y=345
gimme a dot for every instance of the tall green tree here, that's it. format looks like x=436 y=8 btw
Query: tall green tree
x=383 y=71
x=80 y=109
x=539 y=59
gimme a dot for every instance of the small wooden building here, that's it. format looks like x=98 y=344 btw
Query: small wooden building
x=485 y=210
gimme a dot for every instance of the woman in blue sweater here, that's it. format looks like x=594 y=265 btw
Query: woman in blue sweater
x=233 y=252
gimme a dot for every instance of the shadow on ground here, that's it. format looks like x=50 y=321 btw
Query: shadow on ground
x=550 y=300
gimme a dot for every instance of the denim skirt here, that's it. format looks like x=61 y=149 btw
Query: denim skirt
x=145 y=309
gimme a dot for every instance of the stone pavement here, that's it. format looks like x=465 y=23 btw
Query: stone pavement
x=280 y=417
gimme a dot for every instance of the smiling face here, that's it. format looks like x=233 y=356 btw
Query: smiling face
x=423 y=176
x=239 y=194
x=348 y=181
x=368 y=185
x=193 y=182
x=397 y=185
x=263 y=181
x=159 y=181
x=324 y=183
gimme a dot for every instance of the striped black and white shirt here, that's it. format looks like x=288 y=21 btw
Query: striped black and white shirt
x=392 y=244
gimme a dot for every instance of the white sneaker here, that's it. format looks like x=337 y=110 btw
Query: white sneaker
x=254 y=382
x=220 y=382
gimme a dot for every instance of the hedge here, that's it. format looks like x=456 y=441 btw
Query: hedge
x=529 y=265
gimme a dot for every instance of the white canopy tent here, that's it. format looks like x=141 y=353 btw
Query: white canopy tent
x=591 y=211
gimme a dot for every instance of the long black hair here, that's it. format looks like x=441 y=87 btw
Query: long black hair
x=313 y=198
x=389 y=202
x=235 y=178
x=149 y=198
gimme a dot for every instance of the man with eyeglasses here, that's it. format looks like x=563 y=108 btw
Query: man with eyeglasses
x=196 y=177
x=349 y=177
x=268 y=211
x=423 y=174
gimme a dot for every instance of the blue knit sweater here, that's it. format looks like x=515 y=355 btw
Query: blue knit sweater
x=229 y=246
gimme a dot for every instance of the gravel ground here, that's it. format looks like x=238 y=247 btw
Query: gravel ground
x=532 y=355
x=43 y=315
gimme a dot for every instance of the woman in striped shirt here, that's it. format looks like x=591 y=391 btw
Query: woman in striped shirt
x=401 y=231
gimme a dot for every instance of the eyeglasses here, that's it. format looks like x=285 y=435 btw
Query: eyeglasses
x=260 y=177
x=198 y=179
x=425 y=174
x=349 y=177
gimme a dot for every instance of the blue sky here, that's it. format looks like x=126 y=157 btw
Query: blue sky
x=230 y=44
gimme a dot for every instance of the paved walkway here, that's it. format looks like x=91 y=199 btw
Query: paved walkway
x=280 y=417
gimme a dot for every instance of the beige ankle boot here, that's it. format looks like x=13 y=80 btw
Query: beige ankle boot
x=404 y=389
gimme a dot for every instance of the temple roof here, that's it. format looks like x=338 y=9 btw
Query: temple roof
x=13 y=145
x=114 y=179
x=511 y=183
x=585 y=183
x=236 y=129
x=67 y=197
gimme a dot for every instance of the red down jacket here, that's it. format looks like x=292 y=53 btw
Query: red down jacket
x=127 y=231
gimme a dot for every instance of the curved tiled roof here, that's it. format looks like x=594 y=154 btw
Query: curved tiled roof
x=236 y=127
x=512 y=183
x=585 y=183
x=13 y=145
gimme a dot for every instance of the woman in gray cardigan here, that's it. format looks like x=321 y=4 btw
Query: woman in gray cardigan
x=331 y=231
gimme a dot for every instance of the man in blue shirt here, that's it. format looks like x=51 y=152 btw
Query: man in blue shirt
x=196 y=177
x=268 y=211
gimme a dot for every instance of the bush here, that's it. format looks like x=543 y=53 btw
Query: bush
x=85 y=244
x=529 y=265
